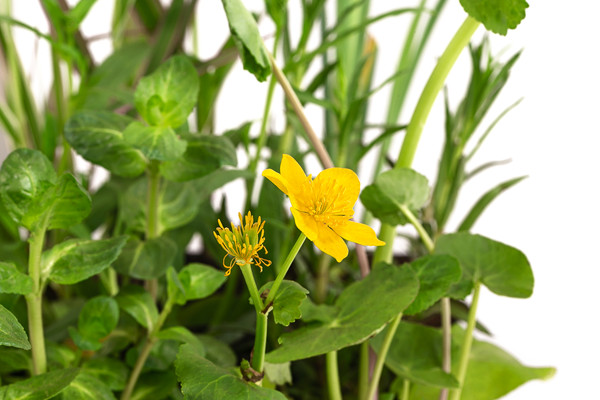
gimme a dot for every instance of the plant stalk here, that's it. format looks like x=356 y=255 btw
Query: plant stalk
x=333 y=376
x=446 y=341
x=152 y=216
x=385 y=346
x=405 y=389
x=34 y=301
x=466 y=345
x=260 y=338
x=284 y=268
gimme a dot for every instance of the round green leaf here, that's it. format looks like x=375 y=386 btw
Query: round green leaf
x=496 y=15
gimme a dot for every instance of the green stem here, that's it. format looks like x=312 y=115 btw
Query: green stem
x=405 y=389
x=333 y=376
x=417 y=122
x=284 y=268
x=466 y=345
x=34 y=301
x=322 y=280
x=109 y=280
x=420 y=230
x=385 y=346
x=260 y=343
x=152 y=216
x=446 y=341
x=363 y=370
x=251 y=284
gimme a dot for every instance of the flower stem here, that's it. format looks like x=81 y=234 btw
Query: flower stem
x=333 y=376
x=446 y=341
x=420 y=230
x=385 y=346
x=152 y=216
x=466 y=345
x=34 y=301
x=251 y=284
x=405 y=389
x=260 y=338
x=284 y=268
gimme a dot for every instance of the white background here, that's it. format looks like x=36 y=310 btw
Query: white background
x=552 y=136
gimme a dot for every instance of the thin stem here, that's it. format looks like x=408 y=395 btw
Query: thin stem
x=34 y=301
x=466 y=345
x=364 y=371
x=152 y=216
x=260 y=343
x=251 y=284
x=284 y=268
x=446 y=341
x=299 y=110
x=385 y=346
x=322 y=280
x=420 y=230
x=419 y=117
x=405 y=389
x=333 y=376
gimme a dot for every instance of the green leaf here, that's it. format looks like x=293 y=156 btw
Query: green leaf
x=242 y=25
x=202 y=380
x=11 y=332
x=40 y=387
x=203 y=155
x=177 y=205
x=14 y=360
x=279 y=374
x=138 y=303
x=167 y=96
x=155 y=142
x=416 y=354
x=14 y=281
x=200 y=281
x=75 y=260
x=206 y=185
x=98 y=137
x=67 y=204
x=485 y=201
x=436 y=274
x=24 y=178
x=156 y=386
x=175 y=290
x=146 y=260
x=183 y=335
x=392 y=190
x=108 y=370
x=363 y=309
x=98 y=317
x=496 y=15
x=491 y=374
x=86 y=387
x=502 y=268
x=287 y=302
x=217 y=352
x=61 y=356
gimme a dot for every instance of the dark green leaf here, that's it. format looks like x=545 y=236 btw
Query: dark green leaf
x=14 y=360
x=60 y=355
x=75 y=260
x=98 y=317
x=208 y=184
x=14 y=281
x=109 y=370
x=156 y=142
x=24 y=178
x=156 y=386
x=217 y=352
x=98 y=137
x=146 y=260
x=11 y=331
x=502 y=268
x=287 y=302
x=138 y=303
x=40 y=387
x=485 y=201
x=183 y=335
x=200 y=281
x=203 y=155
x=86 y=387
x=392 y=190
x=167 y=96
x=363 y=309
x=416 y=354
x=255 y=57
x=175 y=290
x=497 y=15
x=436 y=274
x=202 y=380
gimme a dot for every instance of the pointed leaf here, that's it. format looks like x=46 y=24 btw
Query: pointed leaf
x=138 y=303
x=40 y=387
x=86 y=387
x=175 y=290
x=11 y=331
x=67 y=204
x=200 y=281
x=14 y=281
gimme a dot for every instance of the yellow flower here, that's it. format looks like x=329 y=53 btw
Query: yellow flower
x=243 y=243
x=323 y=207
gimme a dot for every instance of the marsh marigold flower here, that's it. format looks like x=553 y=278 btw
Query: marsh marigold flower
x=242 y=243
x=322 y=207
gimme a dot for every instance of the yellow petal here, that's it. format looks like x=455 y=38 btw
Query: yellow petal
x=277 y=179
x=358 y=233
x=292 y=172
x=345 y=178
x=306 y=224
x=331 y=243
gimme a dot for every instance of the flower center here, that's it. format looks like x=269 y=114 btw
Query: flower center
x=325 y=200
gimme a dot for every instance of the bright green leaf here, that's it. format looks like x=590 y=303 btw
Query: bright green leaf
x=392 y=190
x=416 y=354
x=248 y=41
x=86 y=387
x=177 y=205
x=502 y=268
x=98 y=137
x=146 y=260
x=279 y=374
x=497 y=15
x=175 y=290
x=155 y=142
x=67 y=204
x=138 y=303
x=40 y=387
x=75 y=260
x=287 y=302
x=200 y=281
x=167 y=96
x=11 y=332
x=14 y=281
x=183 y=335
x=109 y=370
x=202 y=380
x=363 y=309
x=436 y=274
